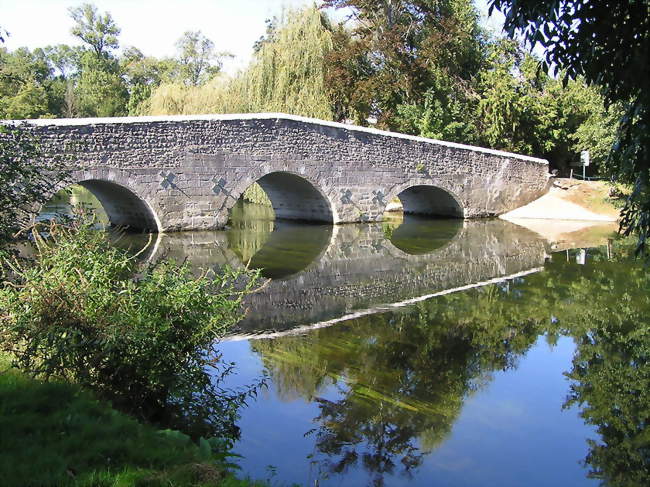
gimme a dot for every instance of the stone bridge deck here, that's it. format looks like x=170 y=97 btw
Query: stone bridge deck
x=186 y=172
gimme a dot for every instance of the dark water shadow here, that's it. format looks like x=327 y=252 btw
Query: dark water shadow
x=289 y=249
x=418 y=235
x=279 y=248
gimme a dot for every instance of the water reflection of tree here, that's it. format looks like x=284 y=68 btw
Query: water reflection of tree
x=611 y=373
x=401 y=378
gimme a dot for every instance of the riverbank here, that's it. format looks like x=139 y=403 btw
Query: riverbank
x=57 y=434
x=573 y=214
x=571 y=199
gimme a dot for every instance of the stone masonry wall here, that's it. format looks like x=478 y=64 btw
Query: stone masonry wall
x=189 y=171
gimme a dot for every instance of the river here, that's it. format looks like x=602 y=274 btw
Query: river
x=433 y=352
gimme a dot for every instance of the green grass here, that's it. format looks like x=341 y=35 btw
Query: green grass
x=54 y=434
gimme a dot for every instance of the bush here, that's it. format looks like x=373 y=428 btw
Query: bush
x=140 y=336
x=25 y=182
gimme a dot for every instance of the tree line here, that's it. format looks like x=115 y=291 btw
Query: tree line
x=420 y=67
x=95 y=79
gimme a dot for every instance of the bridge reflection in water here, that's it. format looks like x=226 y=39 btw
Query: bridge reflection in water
x=322 y=273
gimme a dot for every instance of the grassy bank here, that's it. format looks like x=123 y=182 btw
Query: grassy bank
x=595 y=196
x=55 y=434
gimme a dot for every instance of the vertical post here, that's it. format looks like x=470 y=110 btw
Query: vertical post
x=571 y=174
x=610 y=251
x=584 y=160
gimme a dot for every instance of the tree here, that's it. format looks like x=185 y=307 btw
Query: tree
x=398 y=51
x=287 y=74
x=64 y=60
x=198 y=61
x=607 y=42
x=143 y=74
x=523 y=109
x=98 y=31
x=24 y=82
x=101 y=90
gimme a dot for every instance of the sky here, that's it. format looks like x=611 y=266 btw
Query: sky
x=153 y=26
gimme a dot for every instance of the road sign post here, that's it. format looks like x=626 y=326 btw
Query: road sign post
x=584 y=160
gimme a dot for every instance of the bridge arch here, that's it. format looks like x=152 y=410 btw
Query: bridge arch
x=428 y=200
x=293 y=196
x=123 y=207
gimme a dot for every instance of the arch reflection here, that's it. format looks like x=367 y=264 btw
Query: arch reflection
x=417 y=235
x=279 y=249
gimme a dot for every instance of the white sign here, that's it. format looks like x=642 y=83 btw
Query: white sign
x=584 y=157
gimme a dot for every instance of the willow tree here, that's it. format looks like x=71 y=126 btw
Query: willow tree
x=287 y=74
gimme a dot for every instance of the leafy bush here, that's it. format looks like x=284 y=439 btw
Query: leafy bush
x=24 y=182
x=140 y=336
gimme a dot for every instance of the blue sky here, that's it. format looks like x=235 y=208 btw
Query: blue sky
x=153 y=25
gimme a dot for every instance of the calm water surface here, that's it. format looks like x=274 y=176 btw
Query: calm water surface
x=432 y=353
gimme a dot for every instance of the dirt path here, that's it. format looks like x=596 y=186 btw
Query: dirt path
x=569 y=199
x=572 y=214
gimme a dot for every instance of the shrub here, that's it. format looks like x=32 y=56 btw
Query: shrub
x=25 y=182
x=141 y=336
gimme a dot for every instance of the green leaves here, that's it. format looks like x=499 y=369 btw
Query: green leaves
x=607 y=42
x=97 y=30
x=142 y=337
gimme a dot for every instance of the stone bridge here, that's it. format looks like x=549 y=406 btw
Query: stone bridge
x=186 y=172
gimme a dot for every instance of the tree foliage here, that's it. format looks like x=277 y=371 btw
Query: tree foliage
x=197 y=59
x=607 y=42
x=142 y=337
x=286 y=75
x=98 y=31
x=396 y=52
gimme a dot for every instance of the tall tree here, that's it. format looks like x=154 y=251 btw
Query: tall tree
x=198 y=60
x=607 y=42
x=101 y=91
x=287 y=73
x=400 y=50
x=97 y=30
